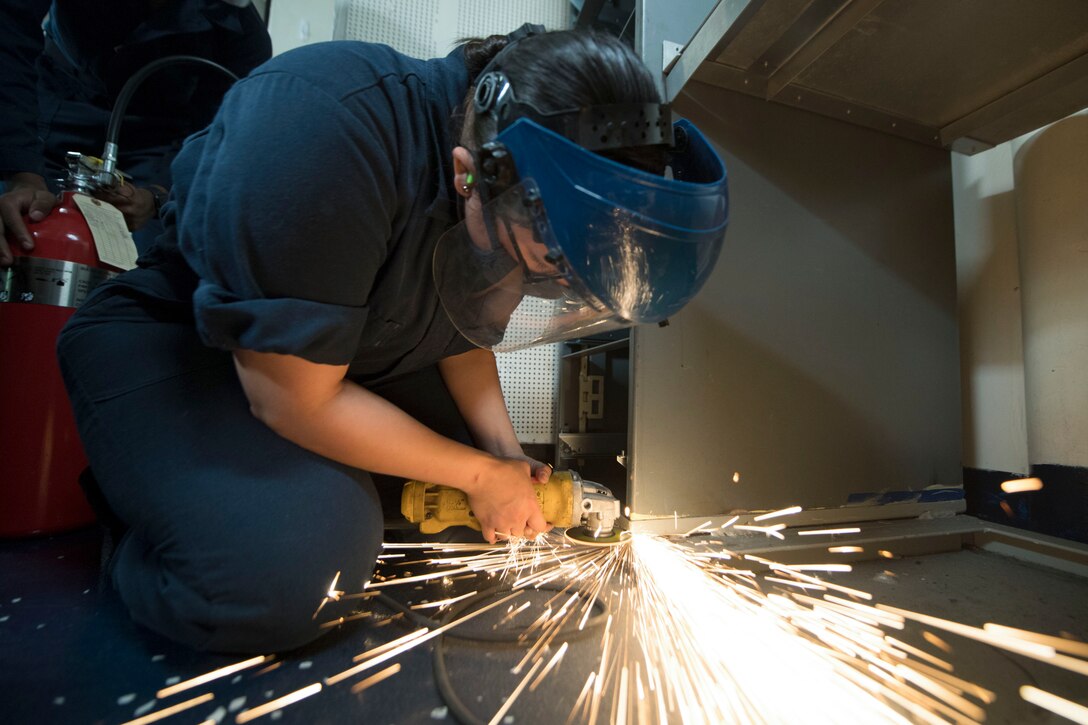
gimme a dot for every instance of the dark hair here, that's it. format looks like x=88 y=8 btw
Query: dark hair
x=479 y=52
x=565 y=69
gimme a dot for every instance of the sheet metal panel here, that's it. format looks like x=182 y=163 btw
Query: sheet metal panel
x=821 y=360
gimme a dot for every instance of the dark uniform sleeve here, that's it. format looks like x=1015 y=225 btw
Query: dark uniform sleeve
x=21 y=42
x=252 y=47
x=284 y=208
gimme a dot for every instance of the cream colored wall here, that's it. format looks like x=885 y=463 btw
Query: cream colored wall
x=988 y=251
x=294 y=23
x=1051 y=172
x=991 y=341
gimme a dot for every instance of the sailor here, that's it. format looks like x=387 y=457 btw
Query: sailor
x=347 y=245
x=62 y=78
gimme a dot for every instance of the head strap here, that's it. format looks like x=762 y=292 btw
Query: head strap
x=596 y=128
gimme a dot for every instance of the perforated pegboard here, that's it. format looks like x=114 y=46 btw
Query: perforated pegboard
x=487 y=17
x=530 y=378
x=430 y=28
x=530 y=385
x=407 y=26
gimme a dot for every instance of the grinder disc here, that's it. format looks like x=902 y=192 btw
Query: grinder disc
x=582 y=535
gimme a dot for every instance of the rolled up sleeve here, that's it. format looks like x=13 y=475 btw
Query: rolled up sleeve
x=283 y=210
x=317 y=331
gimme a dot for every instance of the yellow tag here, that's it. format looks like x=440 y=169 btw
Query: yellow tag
x=111 y=236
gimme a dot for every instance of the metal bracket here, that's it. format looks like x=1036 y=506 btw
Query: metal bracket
x=670 y=54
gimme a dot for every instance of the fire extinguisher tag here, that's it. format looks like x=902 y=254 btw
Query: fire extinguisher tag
x=111 y=236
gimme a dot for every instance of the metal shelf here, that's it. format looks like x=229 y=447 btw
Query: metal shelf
x=964 y=75
x=595 y=349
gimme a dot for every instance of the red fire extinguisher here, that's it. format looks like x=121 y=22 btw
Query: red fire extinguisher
x=40 y=453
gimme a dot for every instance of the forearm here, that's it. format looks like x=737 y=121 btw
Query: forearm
x=473 y=381
x=362 y=429
x=314 y=406
x=355 y=427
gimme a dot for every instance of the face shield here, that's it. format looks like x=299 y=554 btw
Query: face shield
x=576 y=244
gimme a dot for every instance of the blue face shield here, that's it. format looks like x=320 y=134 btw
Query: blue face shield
x=577 y=243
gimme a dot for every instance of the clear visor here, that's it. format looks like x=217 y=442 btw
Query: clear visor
x=504 y=281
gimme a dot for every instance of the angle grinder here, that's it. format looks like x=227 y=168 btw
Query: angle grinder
x=587 y=510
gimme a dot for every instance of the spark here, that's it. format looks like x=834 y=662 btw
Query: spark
x=333 y=592
x=400 y=581
x=374 y=651
x=211 y=676
x=444 y=602
x=697 y=529
x=331 y=595
x=1041 y=652
x=730 y=522
x=799 y=585
x=352 y=671
x=937 y=642
x=1060 y=644
x=172 y=710
x=781 y=512
x=1020 y=485
x=816 y=567
x=736 y=477
x=273 y=666
x=514 y=695
x=693 y=632
x=719 y=648
x=551 y=664
x=921 y=653
x=278 y=704
x=688 y=638
x=768 y=530
x=1057 y=705
x=830 y=532
x=375 y=679
x=583 y=697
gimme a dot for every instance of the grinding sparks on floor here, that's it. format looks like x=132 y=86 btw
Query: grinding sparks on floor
x=681 y=629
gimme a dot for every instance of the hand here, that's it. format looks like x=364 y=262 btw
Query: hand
x=541 y=472
x=30 y=197
x=505 y=503
x=138 y=205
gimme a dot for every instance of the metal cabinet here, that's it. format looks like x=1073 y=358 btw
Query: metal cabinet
x=594 y=390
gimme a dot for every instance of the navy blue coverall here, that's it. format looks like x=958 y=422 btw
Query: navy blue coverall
x=303 y=222
x=61 y=80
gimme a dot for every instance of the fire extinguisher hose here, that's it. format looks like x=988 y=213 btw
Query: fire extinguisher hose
x=113 y=130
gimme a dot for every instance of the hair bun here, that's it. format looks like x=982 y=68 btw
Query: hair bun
x=479 y=52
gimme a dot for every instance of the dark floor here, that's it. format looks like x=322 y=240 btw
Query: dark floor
x=69 y=654
x=975 y=587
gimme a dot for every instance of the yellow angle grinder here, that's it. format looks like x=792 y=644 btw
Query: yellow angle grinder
x=587 y=510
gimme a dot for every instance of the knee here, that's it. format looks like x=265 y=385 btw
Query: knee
x=288 y=594
x=259 y=590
